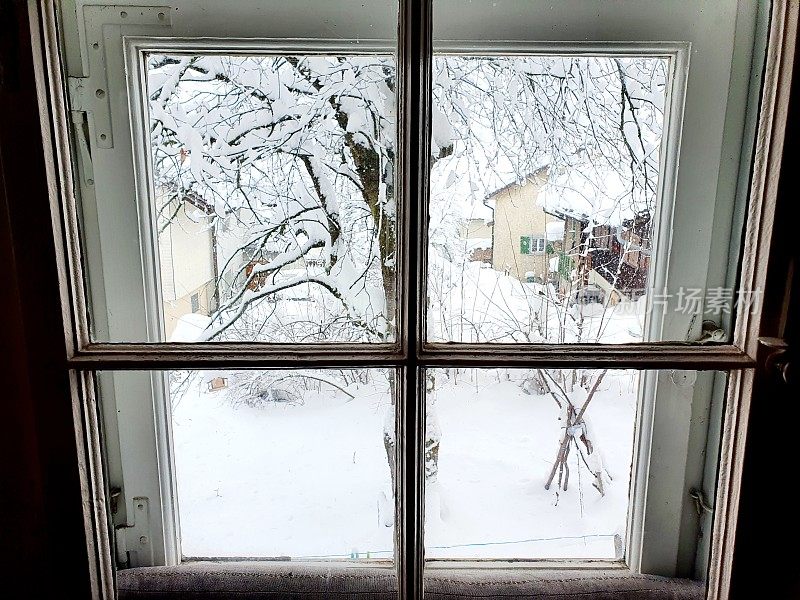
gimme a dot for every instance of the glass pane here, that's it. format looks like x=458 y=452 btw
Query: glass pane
x=236 y=170
x=529 y=463
x=544 y=197
x=289 y=464
x=274 y=196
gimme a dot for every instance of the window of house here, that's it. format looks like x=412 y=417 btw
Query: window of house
x=532 y=244
x=391 y=362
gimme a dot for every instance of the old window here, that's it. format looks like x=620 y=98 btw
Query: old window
x=312 y=306
x=532 y=244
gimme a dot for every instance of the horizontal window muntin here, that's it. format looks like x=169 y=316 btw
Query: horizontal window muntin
x=634 y=356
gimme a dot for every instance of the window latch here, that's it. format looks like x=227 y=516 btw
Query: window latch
x=701 y=505
x=712 y=332
x=777 y=359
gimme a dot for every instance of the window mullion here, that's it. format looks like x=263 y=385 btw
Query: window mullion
x=415 y=41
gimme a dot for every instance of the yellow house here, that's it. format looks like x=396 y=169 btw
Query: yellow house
x=187 y=261
x=520 y=245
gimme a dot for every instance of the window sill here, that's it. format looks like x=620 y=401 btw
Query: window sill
x=292 y=580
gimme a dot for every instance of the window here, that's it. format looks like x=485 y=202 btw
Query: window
x=370 y=321
x=532 y=244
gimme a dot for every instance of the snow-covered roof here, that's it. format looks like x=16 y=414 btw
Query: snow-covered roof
x=595 y=197
x=478 y=243
x=540 y=172
x=555 y=231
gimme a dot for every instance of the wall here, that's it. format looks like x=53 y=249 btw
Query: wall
x=516 y=214
x=44 y=549
x=186 y=248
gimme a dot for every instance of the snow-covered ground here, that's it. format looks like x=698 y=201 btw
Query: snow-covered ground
x=470 y=302
x=310 y=479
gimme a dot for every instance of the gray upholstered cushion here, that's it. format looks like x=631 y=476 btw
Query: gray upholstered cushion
x=295 y=581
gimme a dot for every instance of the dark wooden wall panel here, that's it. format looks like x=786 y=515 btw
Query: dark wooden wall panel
x=42 y=536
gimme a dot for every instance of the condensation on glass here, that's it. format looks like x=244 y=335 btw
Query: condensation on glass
x=273 y=196
x=284 y=464
x=544 y=197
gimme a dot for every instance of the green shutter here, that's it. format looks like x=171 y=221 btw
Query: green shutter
x=564 y=265
x=524 y=244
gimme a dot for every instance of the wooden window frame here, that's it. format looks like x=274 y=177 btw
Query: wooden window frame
x=411 y=355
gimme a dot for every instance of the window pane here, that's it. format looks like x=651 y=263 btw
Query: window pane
x=587 y=464
x=273 y=196
x=234 y=164
x=284 y=463
x=516 y=467
x=544 y=196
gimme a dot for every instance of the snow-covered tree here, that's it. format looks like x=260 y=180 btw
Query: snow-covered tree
x=296 y=155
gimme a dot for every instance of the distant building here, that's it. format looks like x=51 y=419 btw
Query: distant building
x=615 y=259
x=533 y=242
x=477 y=234
x=521 y=246
x=187 y=260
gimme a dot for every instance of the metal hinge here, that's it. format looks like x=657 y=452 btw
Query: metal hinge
x=101 y=50
x=76 y=90
x=80 y=127
x=134 y=542
x=90 y=97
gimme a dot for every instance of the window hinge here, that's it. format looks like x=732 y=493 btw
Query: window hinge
x=76 y=89
x=134 y=542
x=101 y=52
x=90 y=97
x=80 y=126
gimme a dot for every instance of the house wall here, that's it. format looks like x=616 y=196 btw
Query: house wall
x=517 y=214
x=175 y=309
x=476 y=229
x=187 y=265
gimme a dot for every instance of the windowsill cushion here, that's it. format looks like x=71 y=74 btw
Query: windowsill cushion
x=245 y=580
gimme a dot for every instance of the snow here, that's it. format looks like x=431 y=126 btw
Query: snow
x=502 y=444
x=280 y=480
x=311 y=479
x=442 y=134
x=601 y=198
x=190 y=328
x=478 y=243
x=468 y=303
x=555 y=231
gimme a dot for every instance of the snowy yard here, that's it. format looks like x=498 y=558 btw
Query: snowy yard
x=311 y=479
